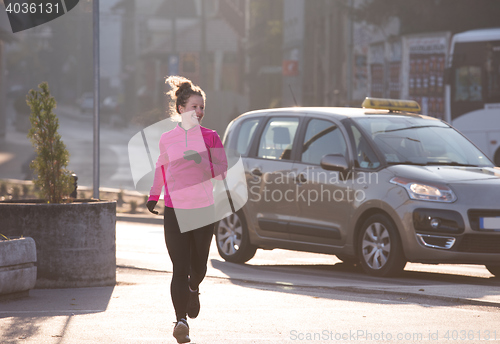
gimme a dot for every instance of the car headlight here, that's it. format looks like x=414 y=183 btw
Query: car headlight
x=425 y=191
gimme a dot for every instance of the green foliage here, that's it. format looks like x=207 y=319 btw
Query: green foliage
x=49 y=166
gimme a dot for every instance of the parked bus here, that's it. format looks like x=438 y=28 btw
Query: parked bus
x=473 y=88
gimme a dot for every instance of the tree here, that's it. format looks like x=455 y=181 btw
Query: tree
x=52 y=157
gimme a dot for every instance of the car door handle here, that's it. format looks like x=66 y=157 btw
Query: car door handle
x=256 y=172
x=301 y=178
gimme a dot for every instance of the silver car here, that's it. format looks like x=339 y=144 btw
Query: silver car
x=376 y=187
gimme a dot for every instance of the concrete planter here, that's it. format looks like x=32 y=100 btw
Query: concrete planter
x=17 y=267
x=75 y=242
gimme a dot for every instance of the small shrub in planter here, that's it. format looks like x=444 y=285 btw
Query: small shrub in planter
x=49 y=165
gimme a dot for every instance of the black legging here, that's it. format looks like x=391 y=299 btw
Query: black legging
x=189 y=254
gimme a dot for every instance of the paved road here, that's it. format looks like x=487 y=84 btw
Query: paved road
x=268 y=302
x=142 y=246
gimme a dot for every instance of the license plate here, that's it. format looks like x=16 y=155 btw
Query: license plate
x=489 y=223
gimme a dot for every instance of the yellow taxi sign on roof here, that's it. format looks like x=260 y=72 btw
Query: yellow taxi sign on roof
x=391 y=104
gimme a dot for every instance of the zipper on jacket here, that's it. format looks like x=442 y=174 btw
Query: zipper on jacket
x=186 y=137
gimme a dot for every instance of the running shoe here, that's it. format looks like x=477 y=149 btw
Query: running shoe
x=193 y=308
x=181 y=331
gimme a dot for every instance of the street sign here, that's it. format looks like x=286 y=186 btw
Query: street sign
x=290 y=67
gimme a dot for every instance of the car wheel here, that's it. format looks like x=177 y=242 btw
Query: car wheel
x=494 y=269
x=379 y=247
x=232 y=239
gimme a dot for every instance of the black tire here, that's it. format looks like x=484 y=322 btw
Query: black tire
x=494 y=269
x=379 y=248
x=349 y=260
x=231 y=236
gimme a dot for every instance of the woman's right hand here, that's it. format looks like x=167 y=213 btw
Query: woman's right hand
x=151 y=206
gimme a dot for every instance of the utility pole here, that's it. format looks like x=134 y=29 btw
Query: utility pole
x=327 y=92
x=95 y=12
x=174 y=32
x=3 y=119
x=129 y=61
x=246 y=68
x=203 y=53
x=350 y=54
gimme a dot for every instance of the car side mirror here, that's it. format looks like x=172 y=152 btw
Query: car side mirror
x=335 y=162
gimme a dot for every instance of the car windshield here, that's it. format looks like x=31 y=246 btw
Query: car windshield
x=421 y=141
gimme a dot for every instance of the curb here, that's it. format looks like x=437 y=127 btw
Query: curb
x=139 y=218
x=457 y=300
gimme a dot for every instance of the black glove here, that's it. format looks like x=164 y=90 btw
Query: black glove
x=151 y=206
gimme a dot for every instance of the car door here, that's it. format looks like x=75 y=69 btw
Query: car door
x=270 y=175
x=324 y=198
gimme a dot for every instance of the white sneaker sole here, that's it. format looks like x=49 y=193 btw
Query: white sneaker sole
x=181 y=333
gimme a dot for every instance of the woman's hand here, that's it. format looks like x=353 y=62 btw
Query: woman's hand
x=151 y=206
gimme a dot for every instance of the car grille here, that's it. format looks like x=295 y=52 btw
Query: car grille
x=480 y=243
x=474 y=216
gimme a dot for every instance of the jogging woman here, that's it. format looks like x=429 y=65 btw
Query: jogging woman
x=190 y=155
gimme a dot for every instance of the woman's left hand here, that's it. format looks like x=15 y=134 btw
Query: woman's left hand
x=151 y=206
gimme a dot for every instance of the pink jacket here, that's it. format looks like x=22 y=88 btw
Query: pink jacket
x=185 y=167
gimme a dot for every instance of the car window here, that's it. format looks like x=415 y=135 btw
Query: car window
x=245 y=135
x=421 y=141
x=365 y=156
x=322 y=138
x=277 y=139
